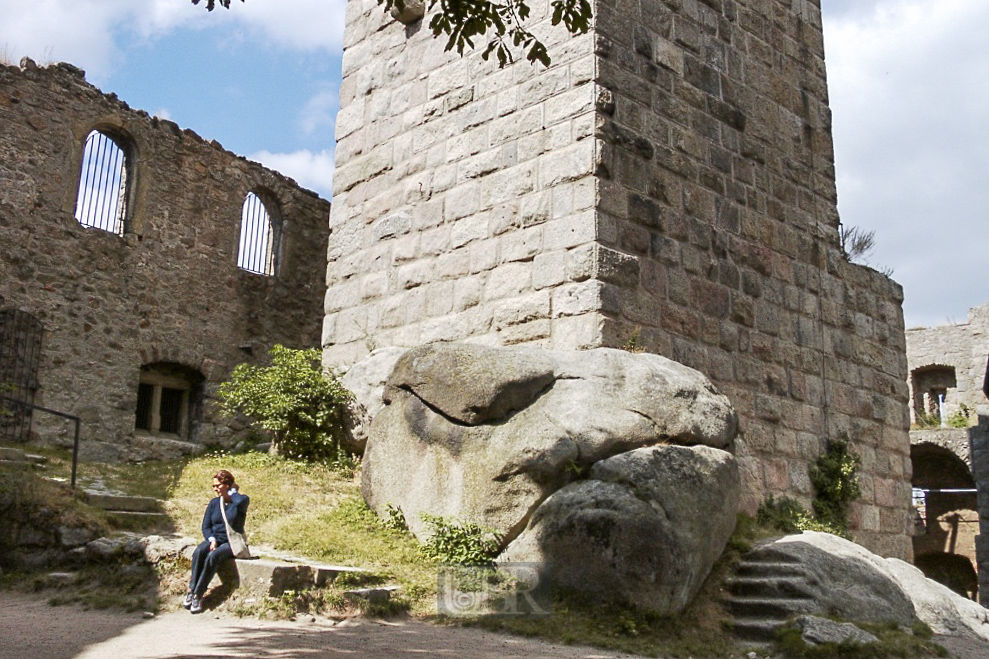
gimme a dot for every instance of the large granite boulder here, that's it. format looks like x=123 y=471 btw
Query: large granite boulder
x=366 y=380
x=487 y=434
x=644 y=528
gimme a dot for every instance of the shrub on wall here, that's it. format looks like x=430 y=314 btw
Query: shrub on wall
x=304 y=407
x=834 y=476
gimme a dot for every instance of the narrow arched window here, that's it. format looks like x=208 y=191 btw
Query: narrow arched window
x=258 y=238
x=102 y=199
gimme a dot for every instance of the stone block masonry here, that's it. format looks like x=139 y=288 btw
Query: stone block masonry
x=139 y=325
x=669 y=178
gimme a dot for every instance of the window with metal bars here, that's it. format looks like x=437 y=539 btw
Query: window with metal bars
x=168 y=400
x=102 y=199
x=258 y=248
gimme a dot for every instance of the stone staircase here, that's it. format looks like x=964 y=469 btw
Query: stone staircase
x=129 y=511
x=16 y=457
x=765 y=592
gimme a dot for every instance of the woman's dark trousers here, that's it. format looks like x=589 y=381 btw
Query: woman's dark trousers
x=204 y=565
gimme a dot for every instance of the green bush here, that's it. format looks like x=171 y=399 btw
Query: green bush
x=959 y=418
x=304 y=407
x=459 y=543
x=834 y=476
x=787 y=515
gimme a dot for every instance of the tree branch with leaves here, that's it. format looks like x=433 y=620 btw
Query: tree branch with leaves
x=463 y=22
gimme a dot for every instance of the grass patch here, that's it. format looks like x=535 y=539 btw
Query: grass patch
x=46 y=504
x=893 y=642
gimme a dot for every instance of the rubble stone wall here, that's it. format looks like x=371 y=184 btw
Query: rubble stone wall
x=168 y=290
x=963 y=347
x=667 y=183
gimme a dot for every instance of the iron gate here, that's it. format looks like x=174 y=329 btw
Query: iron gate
x=20 y=357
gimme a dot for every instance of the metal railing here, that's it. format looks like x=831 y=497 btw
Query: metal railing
x=71 y=417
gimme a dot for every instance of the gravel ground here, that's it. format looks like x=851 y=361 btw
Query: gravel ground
x=30 y=629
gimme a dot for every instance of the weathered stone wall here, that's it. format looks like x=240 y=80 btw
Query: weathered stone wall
x=963 y=347
x=169 y=289
x=668 y=180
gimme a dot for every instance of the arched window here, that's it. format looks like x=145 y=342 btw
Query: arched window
x=931 y=386
x=258 y=238
x=102 y=199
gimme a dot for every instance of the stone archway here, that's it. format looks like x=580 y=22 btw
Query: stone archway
x=945 y=498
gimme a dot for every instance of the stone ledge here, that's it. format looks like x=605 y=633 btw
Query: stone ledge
x=271 y=578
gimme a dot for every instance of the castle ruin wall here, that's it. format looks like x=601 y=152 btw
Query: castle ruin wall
x=168 y=289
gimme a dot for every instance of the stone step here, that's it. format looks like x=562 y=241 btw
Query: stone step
x=18 y=457
x=773 y=569
x=12 y=454
x=769 y=587
x=132 y=520
x=767 y=607
x=769 y=554
x=120 y=503
x=21 y=464
x=271 y=578
x=756 y=630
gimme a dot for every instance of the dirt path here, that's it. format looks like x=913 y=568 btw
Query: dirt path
x=30 y=629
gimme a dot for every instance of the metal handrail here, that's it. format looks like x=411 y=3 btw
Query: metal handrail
x=64 y=415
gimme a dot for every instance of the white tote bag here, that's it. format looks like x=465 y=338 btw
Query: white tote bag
x=238 y=541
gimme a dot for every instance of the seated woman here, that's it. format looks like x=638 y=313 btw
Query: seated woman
x=216 y=548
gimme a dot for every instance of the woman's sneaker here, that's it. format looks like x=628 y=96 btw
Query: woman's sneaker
x=189 y=599
x=197 y=605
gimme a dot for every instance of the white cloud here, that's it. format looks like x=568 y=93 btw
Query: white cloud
x=310 y=170
x=909 y=93
x=302 y=24
x=88 y=33
x=162 y=113
x=320 y=112
x=84 y=32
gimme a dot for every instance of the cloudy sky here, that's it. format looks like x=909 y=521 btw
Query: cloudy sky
x=908 y=79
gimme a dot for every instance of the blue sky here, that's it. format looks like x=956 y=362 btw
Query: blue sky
x=909 y=84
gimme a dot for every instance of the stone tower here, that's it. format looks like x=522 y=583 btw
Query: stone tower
x=667 y=181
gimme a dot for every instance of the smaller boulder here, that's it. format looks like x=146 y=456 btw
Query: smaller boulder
x=644 y=529
x=939 y=607
x=844 y=579
x=817 y=631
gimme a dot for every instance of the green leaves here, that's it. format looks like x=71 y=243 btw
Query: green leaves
x=459 y=543
x=211 y=4
x=304 y=407
x=464 y=21
x=834 y=476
